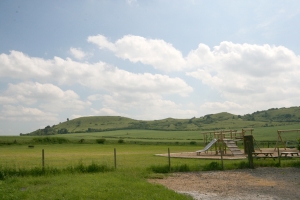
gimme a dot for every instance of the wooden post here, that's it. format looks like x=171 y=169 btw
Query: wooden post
x=279 y=157
x=248 y=142
x=43 y=159
x=169 y=159
x=248 y=138
x=250 y=158
x=222 y=156
x=115 y=158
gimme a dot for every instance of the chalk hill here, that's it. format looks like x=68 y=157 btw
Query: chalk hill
x=271 y=117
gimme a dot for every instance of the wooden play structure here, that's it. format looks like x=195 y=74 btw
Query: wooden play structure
x=279 y=138
x=223 y=140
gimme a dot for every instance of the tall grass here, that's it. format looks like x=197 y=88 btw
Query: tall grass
x=7 y=172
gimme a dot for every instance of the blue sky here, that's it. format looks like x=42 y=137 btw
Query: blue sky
x=145 y=59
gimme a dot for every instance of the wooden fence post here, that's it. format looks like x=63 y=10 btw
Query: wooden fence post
x=222 y=152
x=279 y=157
x=249 y=148
x=250 y=158
x=169 y=159
x=43 y=159
x=115 y=158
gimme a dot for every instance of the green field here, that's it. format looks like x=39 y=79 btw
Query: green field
x=135 y=163
x=128 y=181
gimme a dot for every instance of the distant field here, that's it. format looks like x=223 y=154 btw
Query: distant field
x=260 y=134
x=158 y=137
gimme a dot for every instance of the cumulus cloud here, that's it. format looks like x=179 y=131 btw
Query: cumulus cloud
x=97 y=76
x=247 y=77
x=21 y=113
x=46 y=96
x=158 y=53
x=77 y=53
x=244 y=73
x=143 y=106
x=240 y=73
x=107 y=112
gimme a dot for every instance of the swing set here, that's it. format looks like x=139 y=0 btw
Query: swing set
x=279 y=139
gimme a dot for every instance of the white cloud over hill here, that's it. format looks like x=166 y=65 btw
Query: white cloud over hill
x=246 y=77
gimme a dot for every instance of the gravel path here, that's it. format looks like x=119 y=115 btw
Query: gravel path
x=261 y=183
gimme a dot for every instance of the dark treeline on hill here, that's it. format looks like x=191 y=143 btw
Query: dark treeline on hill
x=271 y=117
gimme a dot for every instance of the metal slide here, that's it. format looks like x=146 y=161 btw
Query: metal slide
x=207 y=146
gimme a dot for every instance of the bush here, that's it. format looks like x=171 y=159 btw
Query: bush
x=212 y=166
x=165 y=168
x=193 y=143
x=120 y=141
x=160 y=168
x=298 y=144
x=51 y=140
x=100 y=141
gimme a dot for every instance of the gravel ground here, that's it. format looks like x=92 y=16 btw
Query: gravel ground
x=261 y=183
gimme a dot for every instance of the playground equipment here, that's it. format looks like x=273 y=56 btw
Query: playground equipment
x=279 y=138
x=207 y=147
x=227 y=137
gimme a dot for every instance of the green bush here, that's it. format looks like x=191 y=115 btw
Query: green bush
x=212 y=166
x=165 y=168
x=120 y=141
x=298 y=144
x=193 y=143
x=100 y=141
x=50 y=140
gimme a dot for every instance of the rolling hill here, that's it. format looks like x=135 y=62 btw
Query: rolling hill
x=270 y=117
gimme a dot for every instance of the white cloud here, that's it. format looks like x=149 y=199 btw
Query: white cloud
x=77 y=53
x=158 y=53
x=21 y=113
x=216 y=107
x=97 y=76
x=46 y=96
x=107 y=112
x=244 y=73
x=144 y=106
x=102 y=42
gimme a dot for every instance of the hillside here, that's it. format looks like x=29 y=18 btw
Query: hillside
x=271 y=117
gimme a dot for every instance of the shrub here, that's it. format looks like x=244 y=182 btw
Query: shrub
x=181 y=168
x=193 y=143
x=212 y=166
x=120 y=141
x=160 y=168
x=100 y=141
x=51 y=140
x=165 y=168
x=243 y=165
x=298 y=144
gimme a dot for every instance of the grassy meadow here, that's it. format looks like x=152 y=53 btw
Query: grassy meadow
x=72 y=161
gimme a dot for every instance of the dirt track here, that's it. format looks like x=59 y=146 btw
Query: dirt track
x=261 y=183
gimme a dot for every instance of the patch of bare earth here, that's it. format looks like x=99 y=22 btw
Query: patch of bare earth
x=261 y=183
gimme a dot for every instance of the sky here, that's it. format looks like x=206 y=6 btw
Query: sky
x=145 y=60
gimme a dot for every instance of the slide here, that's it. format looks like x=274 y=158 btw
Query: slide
x=207 y=146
